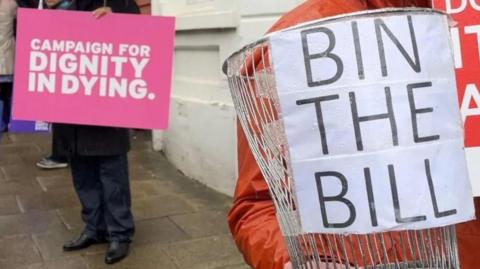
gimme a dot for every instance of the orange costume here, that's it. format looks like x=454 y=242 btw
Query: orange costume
x=252 y=218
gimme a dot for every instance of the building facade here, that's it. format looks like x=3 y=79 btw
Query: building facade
x=201 y=139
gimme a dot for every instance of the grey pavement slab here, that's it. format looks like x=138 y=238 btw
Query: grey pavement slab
x=54 y=182
x=5 y=140
x=205 y=253
x=3 y=177
x=161 y=230
x=37 y=139
x=9 y=205
x=10 y=159
x=203 y=200
x=29 y=202
x=149 y=188
x=19 y=148
x=49 y=200
x=202 y=223
x=160 y=206
x=137 y=172
x=17 y=172
x=18 y=250
x=180 y=223
x=66 y=263
x=71 y=217
x=24 y=224
x=150 y=256
x=18 y=187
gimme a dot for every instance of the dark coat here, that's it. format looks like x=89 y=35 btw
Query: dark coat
x=27 y=3
x=118 y=6
x=70 y=140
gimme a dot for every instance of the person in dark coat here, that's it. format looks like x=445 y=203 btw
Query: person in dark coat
x=98 y=161
x=27 y=3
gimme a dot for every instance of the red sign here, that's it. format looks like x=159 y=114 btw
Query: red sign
x=465 y=33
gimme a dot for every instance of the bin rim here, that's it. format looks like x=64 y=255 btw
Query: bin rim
x=363 y=13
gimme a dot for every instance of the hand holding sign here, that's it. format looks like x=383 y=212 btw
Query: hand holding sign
x=102 y=11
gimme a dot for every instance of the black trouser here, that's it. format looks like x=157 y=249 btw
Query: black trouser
x=55 y=156
x=6 y=97
x=103 y=188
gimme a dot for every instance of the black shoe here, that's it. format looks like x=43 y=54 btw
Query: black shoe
x=116 y=252
x=84 y=241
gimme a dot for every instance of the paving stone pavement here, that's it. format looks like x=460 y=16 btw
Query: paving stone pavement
x=180 y=223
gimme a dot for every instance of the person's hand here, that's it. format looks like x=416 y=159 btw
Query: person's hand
x=102 y=11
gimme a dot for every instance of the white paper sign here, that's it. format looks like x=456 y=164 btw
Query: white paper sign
x=370 y=110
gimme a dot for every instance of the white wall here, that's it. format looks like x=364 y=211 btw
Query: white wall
x=201 y=139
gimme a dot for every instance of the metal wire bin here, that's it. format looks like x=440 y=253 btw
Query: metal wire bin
x=253 y=89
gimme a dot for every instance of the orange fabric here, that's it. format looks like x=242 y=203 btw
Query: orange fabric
x=252 y=217
x=468 y=235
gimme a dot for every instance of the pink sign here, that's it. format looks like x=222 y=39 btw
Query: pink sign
x=72 y=68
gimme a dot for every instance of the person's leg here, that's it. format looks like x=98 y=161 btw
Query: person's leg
x=116 y=197
x=58 y=159
x=117 y=206
x=85 y=173
x=55 y=160
x=2 y=124
x=8 y=103
x=56 y=154
x=6 y=97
